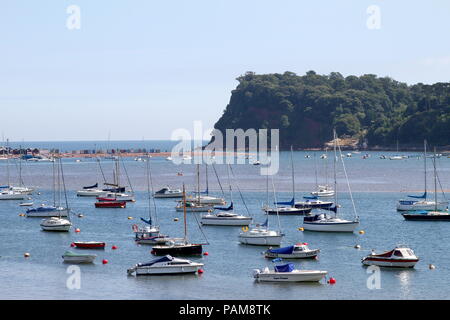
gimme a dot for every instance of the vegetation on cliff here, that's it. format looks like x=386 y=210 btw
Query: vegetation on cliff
x=379 y=111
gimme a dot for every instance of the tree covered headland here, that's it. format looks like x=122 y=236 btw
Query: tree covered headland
x=378 y=111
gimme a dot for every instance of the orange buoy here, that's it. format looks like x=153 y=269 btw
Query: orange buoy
x=105 y=261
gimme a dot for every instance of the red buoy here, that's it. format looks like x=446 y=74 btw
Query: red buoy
x=332 y=281
x=114 y=247
x=206 y=254
x=77 y=230
x=105 y=261
x=201 y=271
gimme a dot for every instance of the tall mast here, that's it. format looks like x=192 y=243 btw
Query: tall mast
x=435 y=181
x=147 y=171
x=335 y=174
x=7 y=162
x=207 y=182
x=293 y=175
x=425 y=164
x=198 y=183
x=184 y=210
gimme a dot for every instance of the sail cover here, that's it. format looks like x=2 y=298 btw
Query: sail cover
x=285 y=268
x=91 y=187
x=290 y=203
x=149 y=221
x=287 y=250
x=424 y=196
x=230 y=208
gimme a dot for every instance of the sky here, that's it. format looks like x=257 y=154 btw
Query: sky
x=140 y=69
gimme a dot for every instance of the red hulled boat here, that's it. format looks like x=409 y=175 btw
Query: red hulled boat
x=90 y=245
x=111 y=204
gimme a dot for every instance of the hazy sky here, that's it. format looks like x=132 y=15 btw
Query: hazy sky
x=140 y=69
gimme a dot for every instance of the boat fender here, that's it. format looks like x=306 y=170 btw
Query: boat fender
x=245 y=229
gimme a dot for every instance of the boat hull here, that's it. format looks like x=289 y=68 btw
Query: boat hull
x=331 y=227
x=171 y=270
x=48 y=214
x=261 y=240
x=293 y=212
x=302 y=276
x=218 y=221
x=92 y=245
x=92 y=193
x=425 y=206
x=111 y=204
x=13 y=196
x=79 y=259
x=425 y=217
x=296 y=255
x=390 y=263
x=178 y=250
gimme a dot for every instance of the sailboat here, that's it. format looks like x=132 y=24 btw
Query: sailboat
x=261 y=235
x=179 y=246
x=194 y=204
x=423 y=204
x=204 y=197
x=397 y=156
x=322 y=190
x=149 y=233
x=292 y=209
x=58 y=223
x=226 y=216
x=57 y=210
x=116 y=192
x=331 y=223
x=7 y=192
x=436 y=214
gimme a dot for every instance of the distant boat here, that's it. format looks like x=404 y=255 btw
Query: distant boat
x=56 y=224
x=165 y=266
x=168 y=193
x=420 y=203
x=111 y=204
x=90 y=245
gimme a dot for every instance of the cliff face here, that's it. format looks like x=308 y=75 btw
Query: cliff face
x=306 y=108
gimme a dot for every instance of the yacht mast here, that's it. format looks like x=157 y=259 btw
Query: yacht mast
x=335 y=175
x=293 y=176
x=425 y=164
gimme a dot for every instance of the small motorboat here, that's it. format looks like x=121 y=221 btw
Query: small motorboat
x=427 y=216
x=111 y=204
x=120 y=197
x=91 y=193
x=12 y=195
x=323 y=191
x=70 y=257
x=26 y=204
x=209 y=200
x=56 y=224
x=90 y=245
x=149 y=235
x=168 y=193
x=400 y=257
x=288 y=273
x=164 y=266
x=298 y=251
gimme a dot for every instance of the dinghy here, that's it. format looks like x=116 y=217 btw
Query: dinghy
x=90 y=245
x=76 y=258
x=56 y=224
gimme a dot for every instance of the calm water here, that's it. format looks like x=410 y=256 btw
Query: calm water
x=377 y=185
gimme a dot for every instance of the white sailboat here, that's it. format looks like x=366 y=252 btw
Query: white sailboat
x=331 y=223
x=195 y=204
x=204 y=198
x=57 y=209
x=226 y=216
x=7 y=192
x=261 y=235
x=322 y=191
x=58 y=223
x=150 y=232
x=421 y=203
